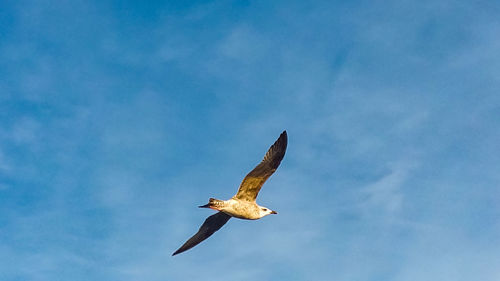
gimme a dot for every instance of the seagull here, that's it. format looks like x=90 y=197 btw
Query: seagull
x=242 y=205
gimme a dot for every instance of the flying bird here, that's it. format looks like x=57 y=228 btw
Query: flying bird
x=242 y=205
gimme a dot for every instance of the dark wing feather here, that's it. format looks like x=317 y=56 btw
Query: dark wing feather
x=251 y=184
x=209 y=227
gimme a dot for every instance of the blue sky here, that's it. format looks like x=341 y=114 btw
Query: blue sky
x=118 y=118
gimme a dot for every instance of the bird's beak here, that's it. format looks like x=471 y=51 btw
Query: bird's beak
x=274 y=212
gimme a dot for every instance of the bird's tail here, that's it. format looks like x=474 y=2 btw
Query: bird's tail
x=213 y=204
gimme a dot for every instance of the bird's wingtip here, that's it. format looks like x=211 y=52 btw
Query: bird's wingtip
x=284 y=136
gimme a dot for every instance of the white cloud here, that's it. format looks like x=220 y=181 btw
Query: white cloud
x=243 y=44
x=357 y=96
x=384 y=198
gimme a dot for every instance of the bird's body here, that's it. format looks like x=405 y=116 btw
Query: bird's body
x=242 y=205
x=239 y=209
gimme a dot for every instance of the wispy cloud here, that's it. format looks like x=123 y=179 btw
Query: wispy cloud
x=117 y=121
x=384 y=197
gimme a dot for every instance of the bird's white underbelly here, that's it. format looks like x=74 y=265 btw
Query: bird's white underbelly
x=242 y=209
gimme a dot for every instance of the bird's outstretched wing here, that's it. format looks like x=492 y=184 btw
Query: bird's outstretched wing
x=251 y=184
x=209 y=227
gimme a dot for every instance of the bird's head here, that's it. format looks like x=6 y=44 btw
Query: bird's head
x=265 y=211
